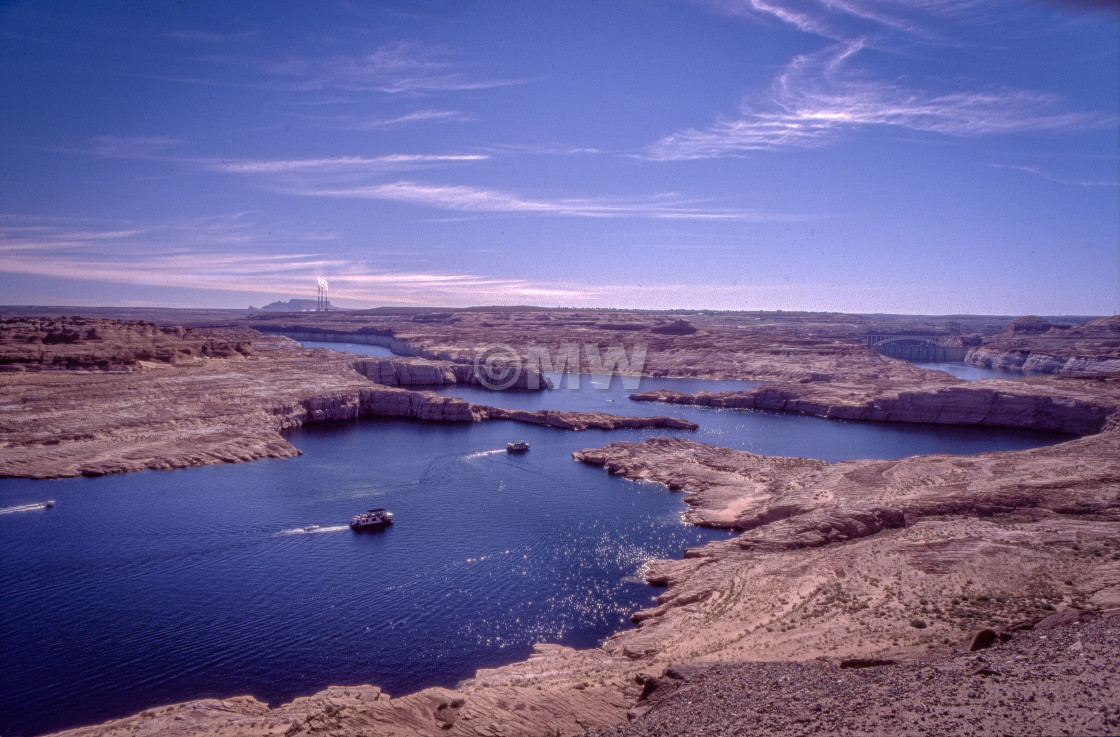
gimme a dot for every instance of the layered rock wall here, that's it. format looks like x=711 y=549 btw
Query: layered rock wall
x=1043 y=363
x=1073 y=409
x=416 y=372
x=221 y=411
x=82 y=344
x=1033 y=344
x=371 y=336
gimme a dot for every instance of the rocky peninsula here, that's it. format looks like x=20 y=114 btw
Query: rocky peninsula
x=1077 y=407
x=197 y=407
x=832 y=565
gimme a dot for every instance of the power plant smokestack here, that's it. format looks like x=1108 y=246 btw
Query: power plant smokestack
x=322 y=304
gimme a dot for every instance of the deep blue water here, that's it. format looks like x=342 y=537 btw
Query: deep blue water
x=149 y=588
x=971 y=373
x=360 y=349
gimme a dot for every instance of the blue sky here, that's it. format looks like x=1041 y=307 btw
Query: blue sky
x=922 y=156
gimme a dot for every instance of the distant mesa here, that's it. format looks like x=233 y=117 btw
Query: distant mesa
x=85 y=344
x=621 y=325
x=296 y=305
x=1031 y=325
x=433 y=317
x=677 y=327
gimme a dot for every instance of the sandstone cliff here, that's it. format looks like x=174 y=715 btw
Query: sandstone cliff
x=1075 y=407
x=1032 y=344
x=215 y=410
x=873 y=558
x=420 y=372
x=81 y=344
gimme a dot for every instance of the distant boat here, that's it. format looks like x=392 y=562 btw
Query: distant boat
x=311 y=528
x=374 y=519
x=48 y=504
x=517 y=446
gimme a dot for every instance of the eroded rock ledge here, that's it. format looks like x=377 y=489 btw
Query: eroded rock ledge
x=788 y=503
x=873 y=558
x=82 y=344
x=1074 y=406
x=216 y=410
x=1033 y=344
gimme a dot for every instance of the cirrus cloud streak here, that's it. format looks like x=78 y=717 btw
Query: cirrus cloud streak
x=818 y=98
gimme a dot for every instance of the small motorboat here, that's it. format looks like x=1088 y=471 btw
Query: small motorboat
x=48 y=504
x=517 y=446
x=374 y=519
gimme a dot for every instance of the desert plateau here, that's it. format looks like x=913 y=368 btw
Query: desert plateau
x=596 y=368
x=894 y=564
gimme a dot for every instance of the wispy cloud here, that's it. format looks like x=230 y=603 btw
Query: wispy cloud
x=401 y=67
x=355 y=122
x=134 y=147
x=364 y=178
x=348 y=169
x=416 y=116
x=479 y=199
x=819 y=97
x=543 y=149
x=66 y=237
x=341 y=164
x=1039 y=172
x=780 y=10
x=183 y=255
x=210 y=254
x=941 y=22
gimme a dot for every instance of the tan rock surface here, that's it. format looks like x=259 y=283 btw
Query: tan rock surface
x=872 y=558
x=1047 y=680
x=81 y=344
x=797 y=347
x=1075 y=406
x=1033 y=344
x=217 y=410
x=542 y=695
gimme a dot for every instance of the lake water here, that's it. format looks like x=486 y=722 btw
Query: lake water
x=971 y=373
x=360 y=349
x=149 y=588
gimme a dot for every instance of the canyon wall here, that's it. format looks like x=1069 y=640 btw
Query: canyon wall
x=1043 y=363
x=1033 y=344
x=1077 y=408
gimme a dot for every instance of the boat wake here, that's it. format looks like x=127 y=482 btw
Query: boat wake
x=314 y=530
x=482 y=454
x=27 y=507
